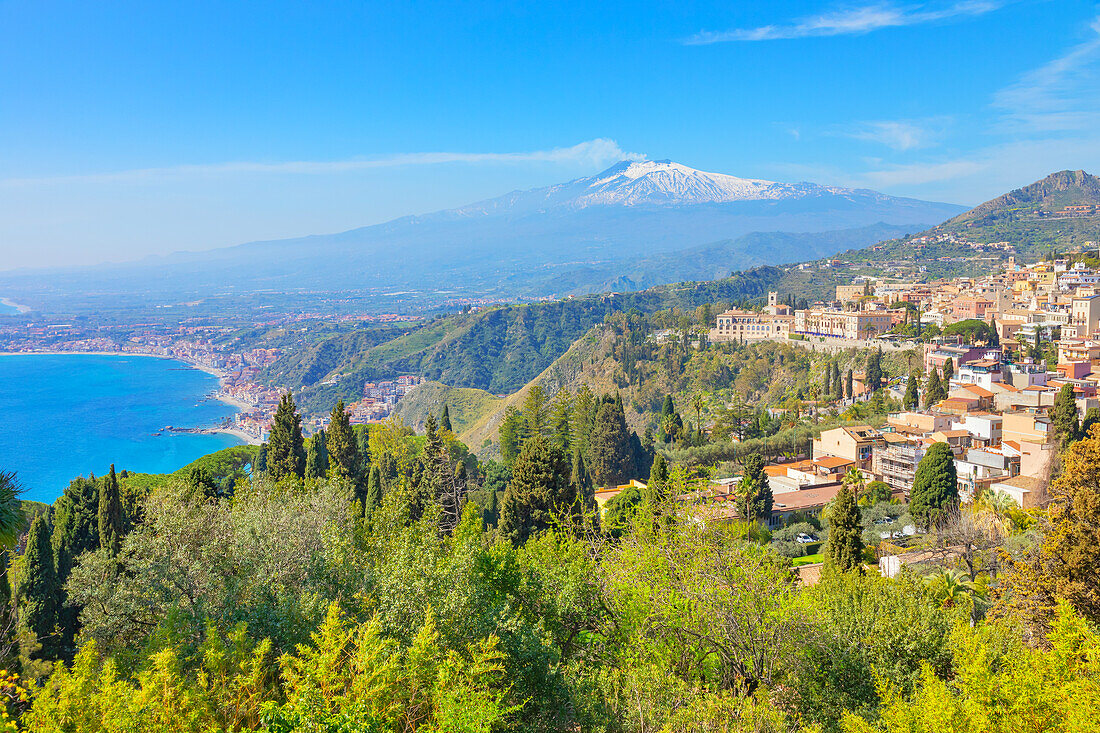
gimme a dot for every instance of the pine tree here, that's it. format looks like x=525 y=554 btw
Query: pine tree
x=373 y=498
x=935 y=486
x=510 y=434
x=912 y=395
x=845 y=546
x=343 y=447
x=610 y=455
x=539 y=491
x=561 y=419
x=1064 y=418
x=317 y=457
x=754 y=493
x=536 y=412
x=110 y=514
x=445 y=418
x=38 y=589
x=286 y=453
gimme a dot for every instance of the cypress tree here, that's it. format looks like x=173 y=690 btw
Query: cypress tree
x=343 y=447
x=539 y=491
x=38 y=589
x=754 y=493
x=610 y=456
x=849 y=385
x=827 y=388
x=261 y=460
x=9 y=643
x=874 y=370
x=75 y=531
x=373 y=498
x=578 y=476
x=838 y=383
x=317 y=457
x=658 y=479
x=935 y=485
x=912 y=394
x=933 y=390
x=948 y=370
x=1066 y=427
x=845 y=546
x=286 y=453
x=110 y=514
x=445 y=418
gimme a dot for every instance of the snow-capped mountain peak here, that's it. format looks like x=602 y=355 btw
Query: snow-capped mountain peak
x=646 y=183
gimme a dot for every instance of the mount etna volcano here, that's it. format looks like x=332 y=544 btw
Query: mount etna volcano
x=624 y=227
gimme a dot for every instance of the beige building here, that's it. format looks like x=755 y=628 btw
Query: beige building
x=736 y=325
x=841 y=324
x=1026 y=491
x=855 y=443
x=1084 y=318
x=850 y=293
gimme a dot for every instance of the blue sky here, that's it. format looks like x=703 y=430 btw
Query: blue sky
x=139 y=128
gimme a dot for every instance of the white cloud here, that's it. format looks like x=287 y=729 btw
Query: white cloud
x=896 y=134
x=1061 y=95
x=597 y=152
x=852 y=21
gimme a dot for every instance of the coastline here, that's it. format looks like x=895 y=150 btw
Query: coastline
x=240 y=405
x=22 y=309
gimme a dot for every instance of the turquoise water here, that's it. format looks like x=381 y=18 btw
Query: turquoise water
x=63 y=416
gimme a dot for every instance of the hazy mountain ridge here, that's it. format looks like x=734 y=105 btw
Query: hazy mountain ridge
x=512 y=246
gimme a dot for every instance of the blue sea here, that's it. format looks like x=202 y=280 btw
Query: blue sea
x=71 y=415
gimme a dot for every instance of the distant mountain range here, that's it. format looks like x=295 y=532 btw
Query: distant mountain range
x=633 y=224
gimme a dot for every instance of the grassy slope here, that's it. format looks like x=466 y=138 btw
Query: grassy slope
x=467 y=406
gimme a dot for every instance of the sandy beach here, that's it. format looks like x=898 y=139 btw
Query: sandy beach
x=240 y=434
x=18 y=306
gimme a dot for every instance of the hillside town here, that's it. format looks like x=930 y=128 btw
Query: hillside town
x=1006 y=346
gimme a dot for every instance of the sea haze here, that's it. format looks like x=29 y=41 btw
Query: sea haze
x=75 y=414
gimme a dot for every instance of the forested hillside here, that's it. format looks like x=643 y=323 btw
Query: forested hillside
x=381 y=580
x=497 y=349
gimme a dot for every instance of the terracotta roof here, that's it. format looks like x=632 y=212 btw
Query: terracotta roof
x=833 y=462
x=1027 y=483
x=818 y=496
x=980 y=391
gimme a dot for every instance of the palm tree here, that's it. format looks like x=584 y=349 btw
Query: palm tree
x=951 y=588
x=11 y=508
x=853 y=480
x=698 y=403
